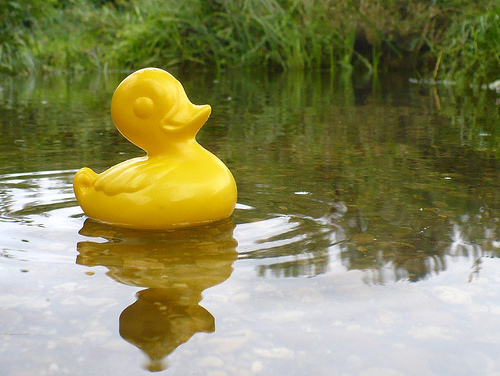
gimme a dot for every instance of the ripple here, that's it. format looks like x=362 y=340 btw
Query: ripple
x=288 y=245
x=25 y=197
x=39 y=218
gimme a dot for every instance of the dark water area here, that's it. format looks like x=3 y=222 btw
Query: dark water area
x=365 y=241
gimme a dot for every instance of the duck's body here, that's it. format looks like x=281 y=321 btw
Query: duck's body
x=179 y=183
x=158 y=193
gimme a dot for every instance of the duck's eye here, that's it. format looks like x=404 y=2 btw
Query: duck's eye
x=143 y=107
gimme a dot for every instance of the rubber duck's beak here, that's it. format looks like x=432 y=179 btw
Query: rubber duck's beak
x=189 y=117
x=201 y=117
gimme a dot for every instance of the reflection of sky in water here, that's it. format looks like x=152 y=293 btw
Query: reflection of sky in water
x=59 y=317
x=335 y=320
x=21 y=192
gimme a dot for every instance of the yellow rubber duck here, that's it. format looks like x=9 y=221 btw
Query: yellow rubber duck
x=178 y=183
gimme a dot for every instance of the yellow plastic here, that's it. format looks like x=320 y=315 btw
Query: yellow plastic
x=178 y=183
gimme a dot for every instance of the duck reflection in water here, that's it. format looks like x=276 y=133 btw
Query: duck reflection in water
x=175 y=267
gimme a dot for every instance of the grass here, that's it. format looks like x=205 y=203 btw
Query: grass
x=473 y=47
x=15 y=37
x=439 y=38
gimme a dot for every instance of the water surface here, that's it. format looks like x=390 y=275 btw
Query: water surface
x=365 y=240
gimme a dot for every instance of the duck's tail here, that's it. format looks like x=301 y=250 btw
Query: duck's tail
x=83 y=181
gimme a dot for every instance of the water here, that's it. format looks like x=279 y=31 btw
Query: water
x=365 y=240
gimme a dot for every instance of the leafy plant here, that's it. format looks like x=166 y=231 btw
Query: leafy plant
x=449 y=38
x=472 y=47
x=19 y=19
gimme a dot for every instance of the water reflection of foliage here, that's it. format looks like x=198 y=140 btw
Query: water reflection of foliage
x=389 y=246
x=57 y=122
x=385 y=150
x=411 y=221
x=412 y=248
x=400 y=162
x=296 y=248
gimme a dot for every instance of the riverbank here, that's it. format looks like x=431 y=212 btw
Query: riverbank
x=450 y=39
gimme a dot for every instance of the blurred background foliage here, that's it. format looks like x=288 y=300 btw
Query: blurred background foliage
x=439 y=39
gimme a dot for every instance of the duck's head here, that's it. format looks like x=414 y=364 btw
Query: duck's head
x=151 y=109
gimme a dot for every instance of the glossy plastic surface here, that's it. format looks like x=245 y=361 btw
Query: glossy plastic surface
x=178 y=183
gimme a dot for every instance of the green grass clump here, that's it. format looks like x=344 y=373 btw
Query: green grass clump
x=472 y=47
x=440 y=38
x=77 y=37
x=286 y=34
x=19 y=19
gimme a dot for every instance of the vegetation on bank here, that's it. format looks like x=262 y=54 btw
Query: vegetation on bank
x=441 y=39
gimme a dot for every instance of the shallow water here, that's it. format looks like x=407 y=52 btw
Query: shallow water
x=365 y=240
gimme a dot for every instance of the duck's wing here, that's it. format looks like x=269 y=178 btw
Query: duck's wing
x=130 y=176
